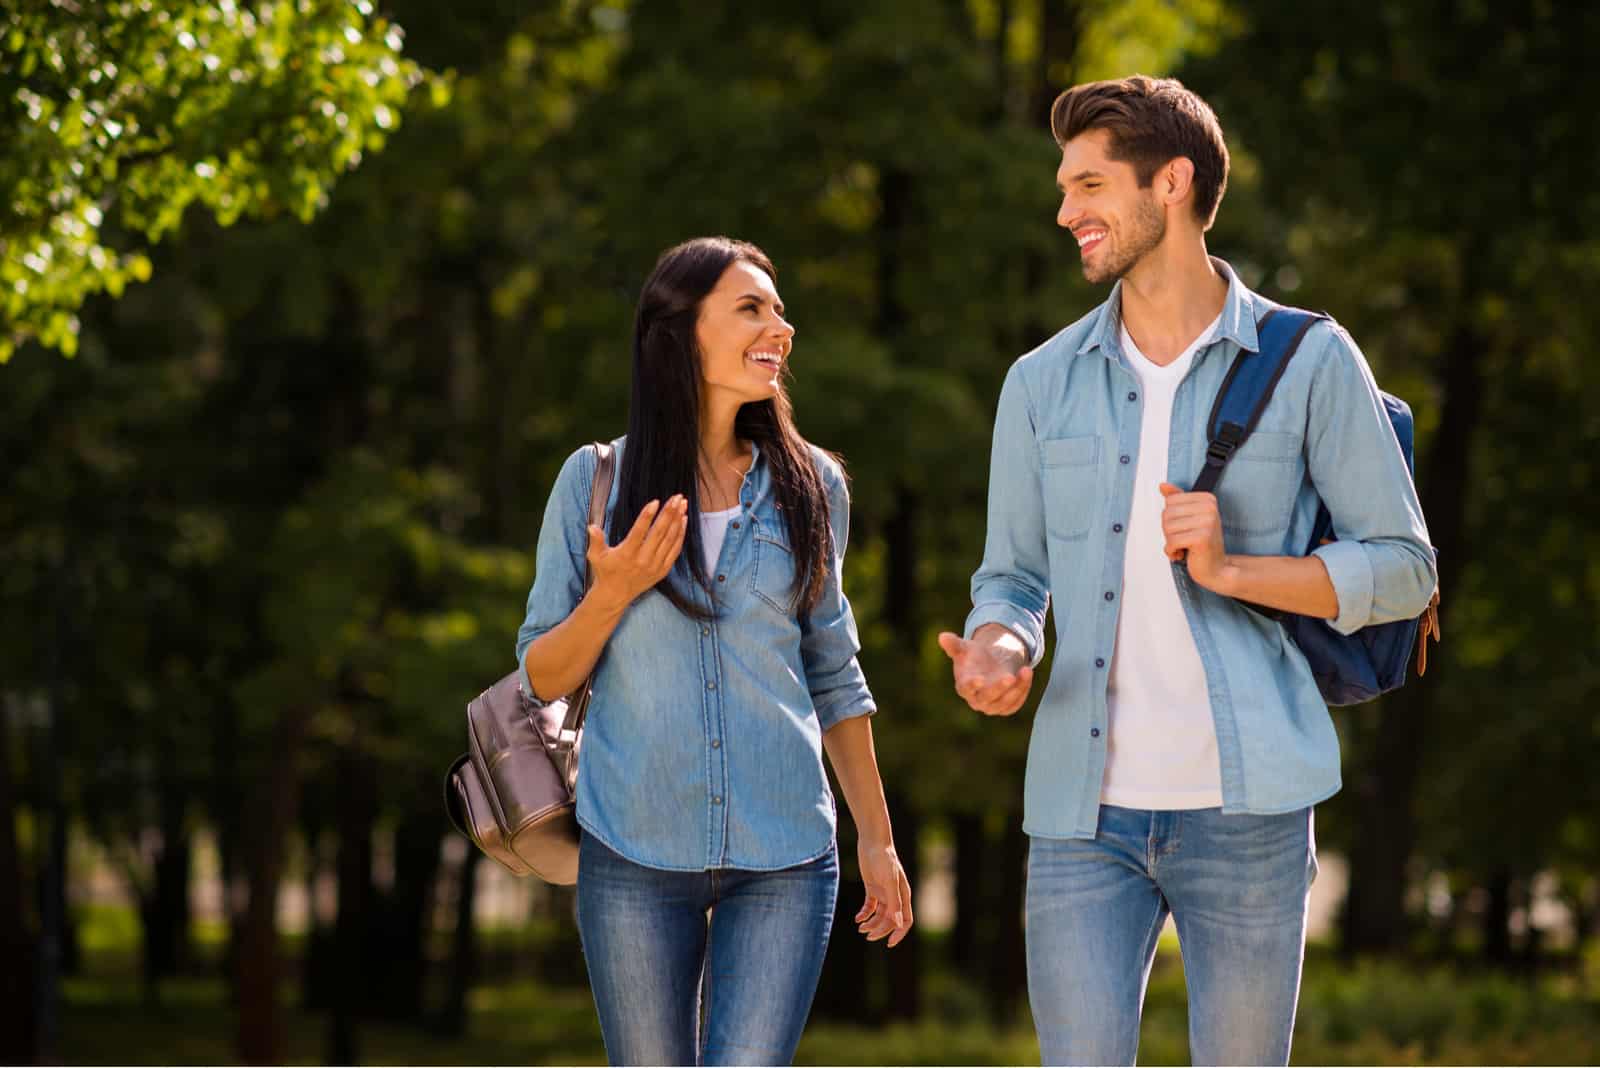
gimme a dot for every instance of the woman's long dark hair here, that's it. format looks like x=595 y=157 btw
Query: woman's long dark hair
x=662 y=454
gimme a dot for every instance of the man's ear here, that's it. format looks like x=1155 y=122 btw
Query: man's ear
x=1175 y=182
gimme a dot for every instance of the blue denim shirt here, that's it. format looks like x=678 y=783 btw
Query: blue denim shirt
x=1060 y=488
x=703 y=746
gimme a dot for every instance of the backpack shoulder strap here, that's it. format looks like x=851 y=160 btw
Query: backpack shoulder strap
x=1248 y=387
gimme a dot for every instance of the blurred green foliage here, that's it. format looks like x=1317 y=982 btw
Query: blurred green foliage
x=117 y=115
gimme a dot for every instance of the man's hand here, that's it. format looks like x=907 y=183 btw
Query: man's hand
x=991 y=670
x=1193 y=527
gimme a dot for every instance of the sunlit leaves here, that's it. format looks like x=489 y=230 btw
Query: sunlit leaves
x=122 y=114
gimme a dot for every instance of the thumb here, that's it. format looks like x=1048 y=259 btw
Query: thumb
x=597 y=540
x=1168 y=489
x=953 y=645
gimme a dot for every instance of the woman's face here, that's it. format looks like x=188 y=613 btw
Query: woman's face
x=742 y=334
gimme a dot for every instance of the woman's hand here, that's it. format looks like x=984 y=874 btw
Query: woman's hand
x=887 y=910
x=635 y=564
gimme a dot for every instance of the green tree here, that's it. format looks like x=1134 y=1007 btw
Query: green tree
x=118 y=115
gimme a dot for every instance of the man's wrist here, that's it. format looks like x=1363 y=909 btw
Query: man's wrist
x=1003 y=642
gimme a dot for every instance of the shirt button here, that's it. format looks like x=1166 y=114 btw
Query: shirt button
x=1094 y=732
x=716 y=743
x=722 y=578
x=705 y=630
x=1116 y=528
x=713 y=686
x=716 y=800
x=1132 y=395
x=734 y=524
x=1110 y=596
x=1124 y=458
x=1099 y=661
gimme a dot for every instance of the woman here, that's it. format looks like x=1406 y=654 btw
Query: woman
x=726 y=655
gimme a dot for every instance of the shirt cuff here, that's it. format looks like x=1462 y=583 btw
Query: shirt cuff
x=1351 y=573
x=1014 y=619
x=832 y=716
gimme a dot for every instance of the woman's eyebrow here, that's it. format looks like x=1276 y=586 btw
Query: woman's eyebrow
x=759 y=299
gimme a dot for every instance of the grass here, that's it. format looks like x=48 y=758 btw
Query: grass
x=1372 y=1013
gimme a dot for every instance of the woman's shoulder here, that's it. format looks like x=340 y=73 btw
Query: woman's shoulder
x=578 y=469
x=830 y=468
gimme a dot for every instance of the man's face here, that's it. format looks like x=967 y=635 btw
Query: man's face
x=1115 y=222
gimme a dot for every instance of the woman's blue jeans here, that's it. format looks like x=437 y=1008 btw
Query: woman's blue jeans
x=653 y=954
x=1236 y=887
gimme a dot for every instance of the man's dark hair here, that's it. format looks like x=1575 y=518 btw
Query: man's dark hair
x=1151 y=122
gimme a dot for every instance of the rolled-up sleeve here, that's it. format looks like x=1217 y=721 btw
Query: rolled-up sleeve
x=1012 y=586
x=1381 y=564
x=560 y=559
x=829 y=642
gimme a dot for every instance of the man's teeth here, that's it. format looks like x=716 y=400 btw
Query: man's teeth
x=1090 y=235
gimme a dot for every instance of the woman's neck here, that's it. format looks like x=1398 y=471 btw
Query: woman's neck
x=723 y=457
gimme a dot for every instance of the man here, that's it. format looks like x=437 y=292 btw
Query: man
x=1181 y=741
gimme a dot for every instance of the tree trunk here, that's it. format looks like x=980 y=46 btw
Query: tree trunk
x=1497 y=919
x=410 y=911
x=257 y=961
x=1008 y=960
x=1375 y=918
x=17 y=1036
x=357 y=801
x=971 y=859
x=165 y=909
x=463 y=950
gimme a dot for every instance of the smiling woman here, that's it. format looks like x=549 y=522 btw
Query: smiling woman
x=724 y=658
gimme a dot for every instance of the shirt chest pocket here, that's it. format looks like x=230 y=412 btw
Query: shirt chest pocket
x=1257 y=491
x=1069 y=469
x=772 y=572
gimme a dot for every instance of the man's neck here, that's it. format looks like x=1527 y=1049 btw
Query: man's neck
x=1169 y=296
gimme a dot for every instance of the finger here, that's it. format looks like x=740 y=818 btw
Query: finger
x=669 y=525
x=902 y=919
x=674 y=546
x=641 y=527
x=954 y=646
x=1169 y=490
x=870 y=908
x=666 y=518
x=597 y=542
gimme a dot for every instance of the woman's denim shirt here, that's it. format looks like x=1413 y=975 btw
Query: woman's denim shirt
x=703 y=746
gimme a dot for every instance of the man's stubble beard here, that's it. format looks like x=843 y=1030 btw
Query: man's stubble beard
x=1149 y=230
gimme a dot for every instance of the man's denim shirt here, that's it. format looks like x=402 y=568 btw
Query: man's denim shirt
x=703 y=746
x=1060 y=489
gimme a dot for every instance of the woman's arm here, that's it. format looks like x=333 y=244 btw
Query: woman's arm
x=562 y=657
x=887 y=910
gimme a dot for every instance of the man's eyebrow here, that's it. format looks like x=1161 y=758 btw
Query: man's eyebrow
x=1080 y=176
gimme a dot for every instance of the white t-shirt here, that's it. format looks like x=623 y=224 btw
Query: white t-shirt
x=713 y=528
x=1162 y=742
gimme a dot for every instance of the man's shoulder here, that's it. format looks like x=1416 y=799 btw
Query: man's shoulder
x=1057 y=352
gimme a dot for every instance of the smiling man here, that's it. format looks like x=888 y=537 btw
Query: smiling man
x=1182 y=741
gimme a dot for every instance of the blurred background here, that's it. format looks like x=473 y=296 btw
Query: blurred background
x=303 y=313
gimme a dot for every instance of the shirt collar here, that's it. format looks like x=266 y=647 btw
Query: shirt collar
x=1238 y=323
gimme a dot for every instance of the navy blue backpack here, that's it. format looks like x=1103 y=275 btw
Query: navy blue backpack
x=1353 y=668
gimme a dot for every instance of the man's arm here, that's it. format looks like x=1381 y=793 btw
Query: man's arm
x=1381 y=565
x=993 y=663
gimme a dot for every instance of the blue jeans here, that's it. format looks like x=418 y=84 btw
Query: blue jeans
x=1236 y=886
x=651 y=948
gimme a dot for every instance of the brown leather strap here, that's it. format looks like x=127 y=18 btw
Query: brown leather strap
x=1429 y=628
x=578 y=702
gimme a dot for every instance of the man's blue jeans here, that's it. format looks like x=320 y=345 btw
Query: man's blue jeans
x=648 y=945
x=1236 y=886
